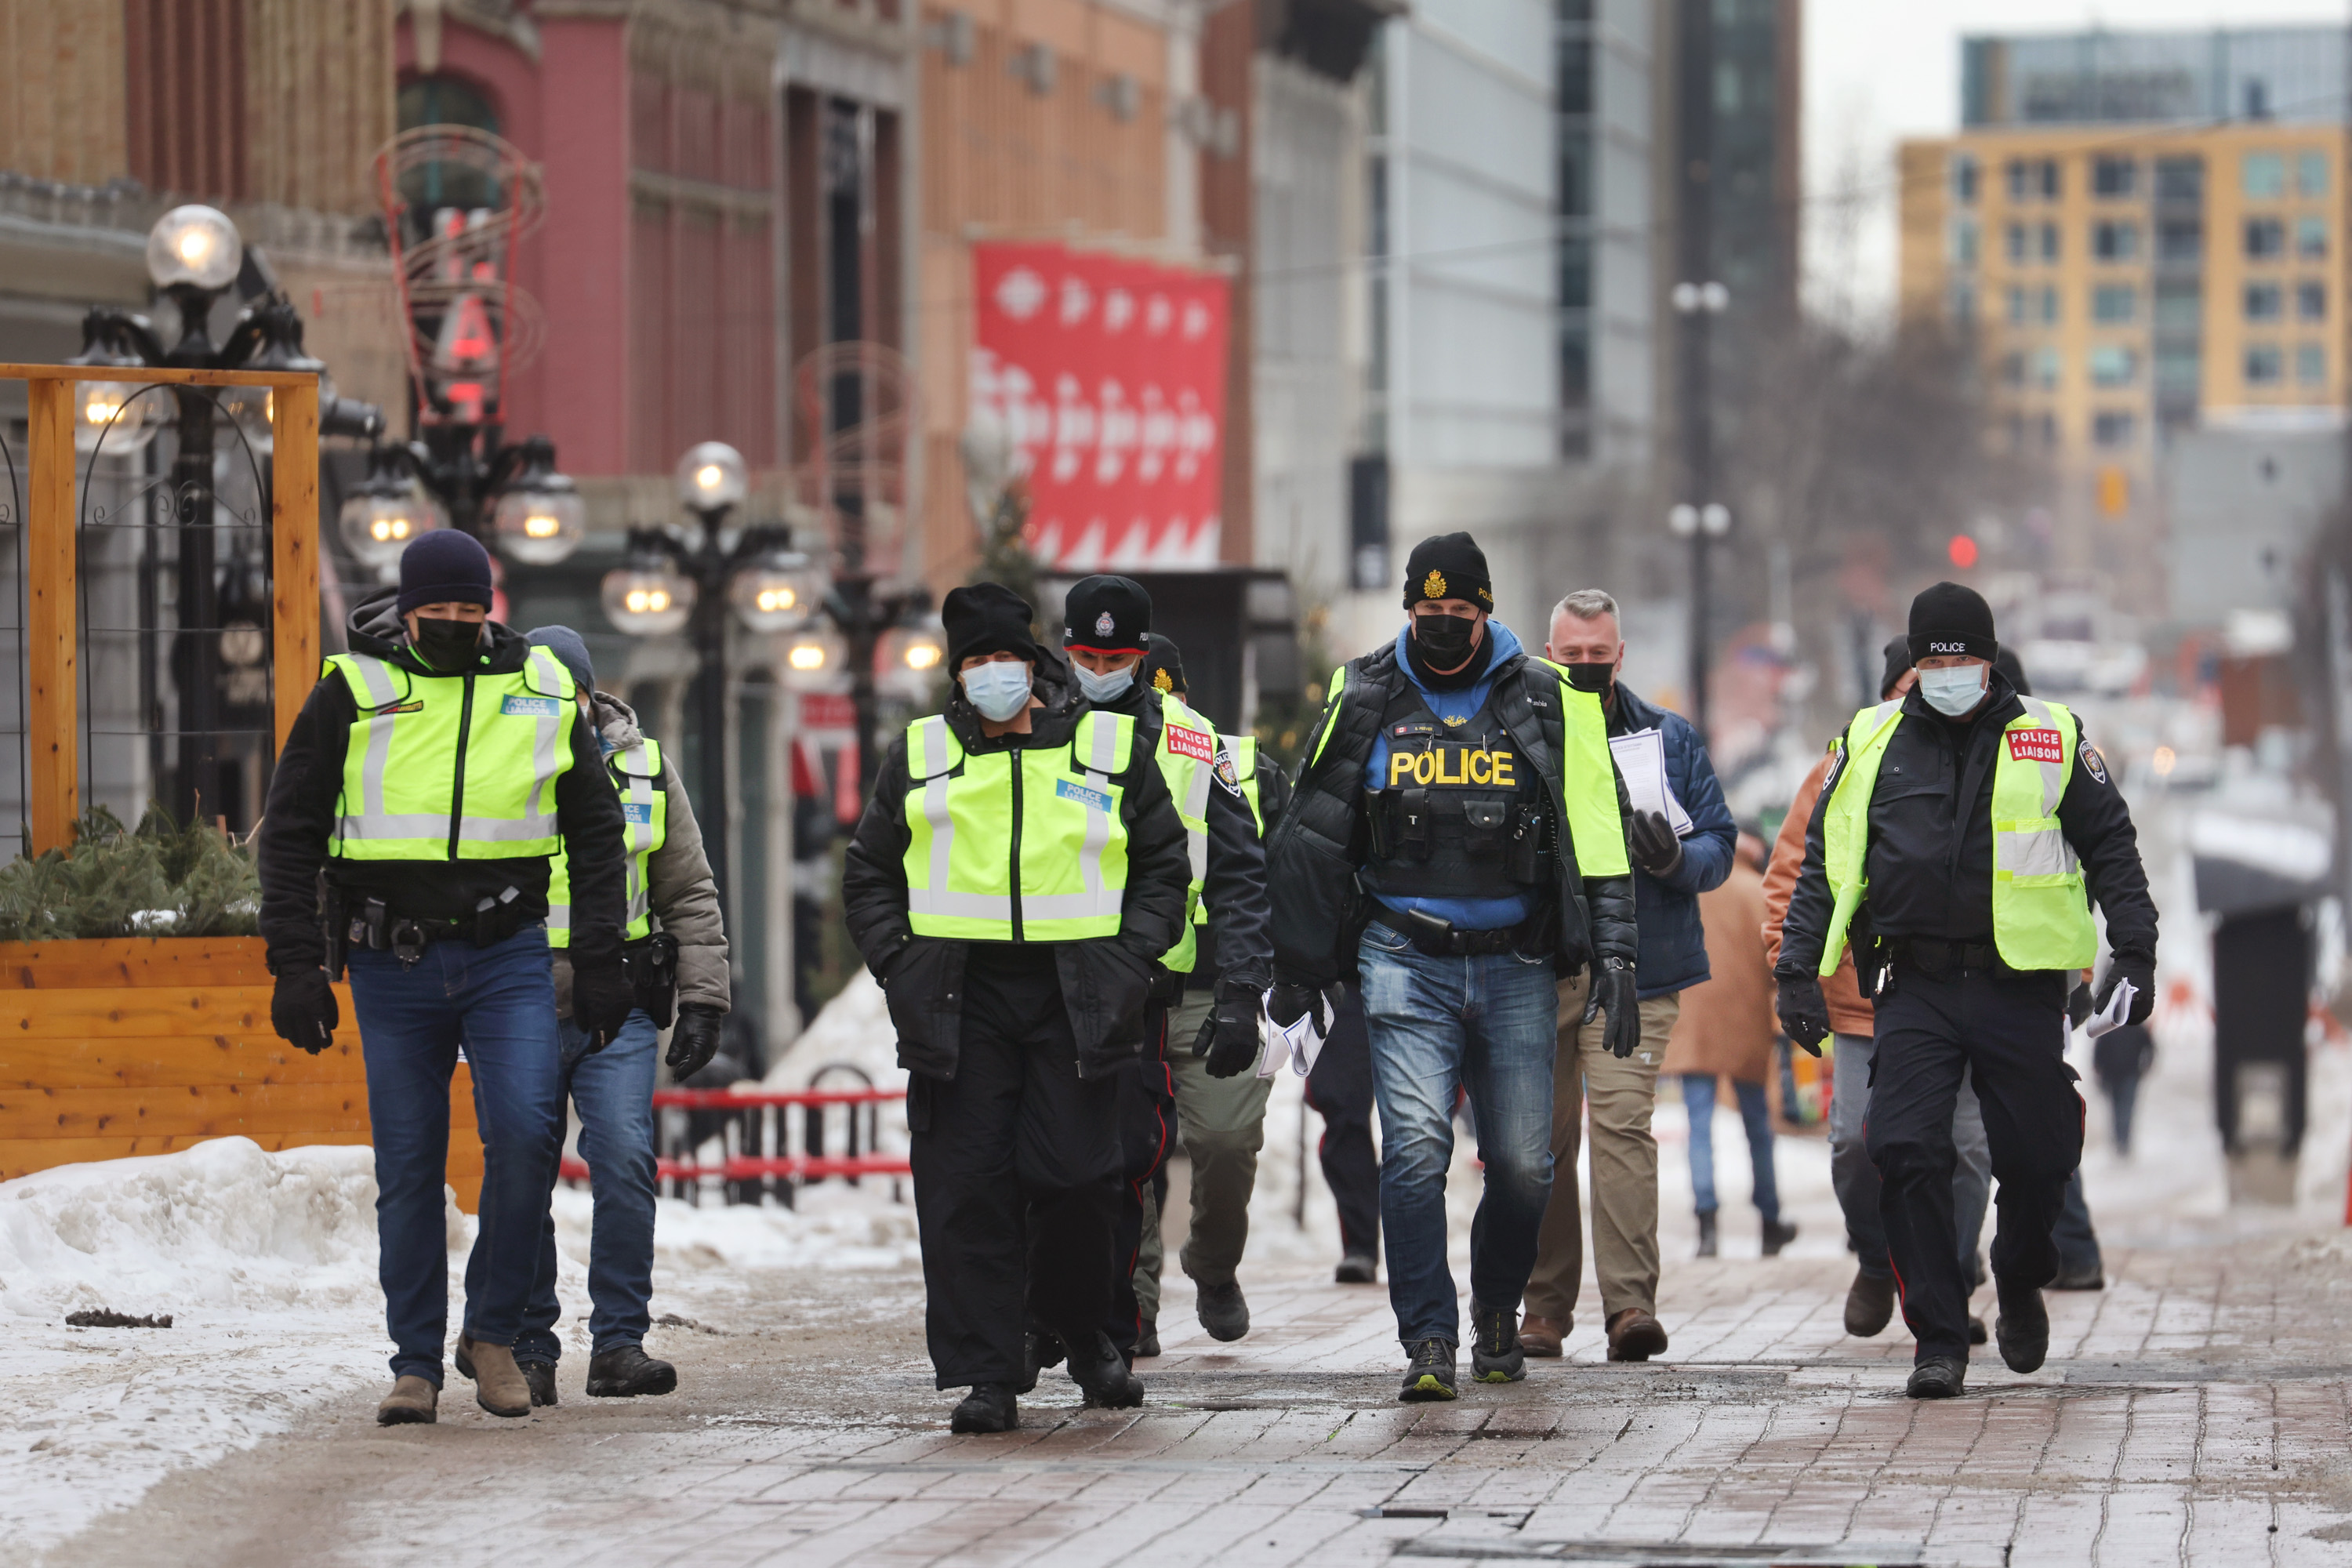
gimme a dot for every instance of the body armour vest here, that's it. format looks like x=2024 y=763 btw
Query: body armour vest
x=1460 y=812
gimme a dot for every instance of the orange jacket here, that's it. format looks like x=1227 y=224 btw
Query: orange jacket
x=1849 y=1013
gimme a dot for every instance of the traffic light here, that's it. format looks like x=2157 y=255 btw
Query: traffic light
x=1962 y=551
x=2115 y=492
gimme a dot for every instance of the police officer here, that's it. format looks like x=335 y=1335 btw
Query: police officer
x=677 y=953
x=1958 y=844
x=1018 y=872
x=1198 y=1059
x=431 y=775
x=1469 y=789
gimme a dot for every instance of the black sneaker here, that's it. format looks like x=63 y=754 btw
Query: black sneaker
x=1223 y=1311
x=1430 y=1375
x=1976 y=1334
x=625 y=1372
x=1706 y=1242
x=1777 y=1234
x=1146 y=1342
x=1356 y=1268
x=1494 y=1353
x=2022 y=1329
x=1938 y=1378
x=1103 y=1375
x=989 y=1407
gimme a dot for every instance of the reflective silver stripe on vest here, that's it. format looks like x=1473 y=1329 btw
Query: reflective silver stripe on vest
x=548 y=735
x=1102 y=731
x=935 y=899
x=376 y=676
x=640 y=794
x=2039 y=851
x=558 y=916
x=435 y=826
x=1196 y=808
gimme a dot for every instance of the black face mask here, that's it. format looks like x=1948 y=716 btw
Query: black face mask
x=447 y=645
x=1444 y=639
x=1596 y=678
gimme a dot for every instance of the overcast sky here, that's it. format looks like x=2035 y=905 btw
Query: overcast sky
x=1879 y=70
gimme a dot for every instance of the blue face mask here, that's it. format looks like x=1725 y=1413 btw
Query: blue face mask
x=1103 y=688
x=1953 y=692
x=999 y=688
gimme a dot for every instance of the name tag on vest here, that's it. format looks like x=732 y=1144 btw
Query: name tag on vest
x=1191 y=743
x=531 y=707
x=2036 y=746
x=1082 y=795
x=638 y=811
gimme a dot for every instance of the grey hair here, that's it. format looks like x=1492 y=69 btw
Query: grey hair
x=1586 y=605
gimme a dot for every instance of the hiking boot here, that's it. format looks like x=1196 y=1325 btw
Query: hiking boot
x=989 y=1407
x=1938 y=1378
x=2086 y=1278
x=1221 y=1310
x=2022 y=1329
x=1103 y=1375
x=1542 y=1336
x=498 y=1385
x=1496 y=1355
x=1635 y=1335
x=412 y=1399
x=1707 y=1248
x=1777 y=1234
x=1040 y=1348
x=1356 y=1268
x=1869 y=1304
x=1976 y=1334
x=540 y=1375
x=1430 y=1373
x=1146 y=1342
x=626 y=1371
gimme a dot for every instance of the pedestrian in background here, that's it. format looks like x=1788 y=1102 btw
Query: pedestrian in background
x=1340 y=1090
x=1727 y=1030
x=2121 y=1057
x=1620 y=1091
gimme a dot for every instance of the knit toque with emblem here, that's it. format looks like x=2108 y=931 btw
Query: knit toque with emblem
x=1448 y=566
x=1106 y=615
x=1951 y=618
x=1163 y=665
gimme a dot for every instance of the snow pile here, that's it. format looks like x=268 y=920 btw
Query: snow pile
x=854 y=1029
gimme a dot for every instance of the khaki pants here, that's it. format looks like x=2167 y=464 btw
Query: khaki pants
x=1624 y=1164
x=1221 y=1124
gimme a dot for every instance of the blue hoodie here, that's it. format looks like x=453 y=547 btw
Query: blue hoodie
x=1467 y=914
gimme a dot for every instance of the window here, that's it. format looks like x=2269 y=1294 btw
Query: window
x=2181 y=239
x=2016 y=239
x=2049 y=242
x=2045 y=430
x=2179 y=369
x=1966 y=177
x=2112 y=364
x=2265 y=177
x=2116 y=241
x=2264 y=366
x=2032 y=179
x=2310 y=302
x=2311 y=363
x=2264 y=303
x=2050 y=312
x=1964 y=243
x=2179 y=307
x=2265 y=239
x=2045 y=368
x=2019 y=303
x=2311 y=174
x=2012 y=368
x=2114 y=178
x=2030 y=306
x=1964 y=304
x=2114 y=302
x=2180 y=179
x=2113 y=428
x=2311 y=237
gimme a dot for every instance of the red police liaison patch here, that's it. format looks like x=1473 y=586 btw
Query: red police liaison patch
x=2036 y=746
x=1191 y=743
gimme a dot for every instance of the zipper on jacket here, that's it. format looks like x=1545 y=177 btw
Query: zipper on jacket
x=458 y=793
x=1014 y=757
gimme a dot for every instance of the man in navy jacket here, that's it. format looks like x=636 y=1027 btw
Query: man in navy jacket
x=1669 y=874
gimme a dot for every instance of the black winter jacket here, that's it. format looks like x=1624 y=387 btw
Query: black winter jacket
x=1103 y=981
x=1313 y=852
x=291 y=843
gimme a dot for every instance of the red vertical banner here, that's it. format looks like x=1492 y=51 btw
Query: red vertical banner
x=1109 y=374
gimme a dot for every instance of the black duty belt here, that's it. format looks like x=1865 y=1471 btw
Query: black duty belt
x=374 y=925
x=1441 y=939
x=1933 y=956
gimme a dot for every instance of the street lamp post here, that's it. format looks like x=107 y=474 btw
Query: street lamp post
x=1698 y=300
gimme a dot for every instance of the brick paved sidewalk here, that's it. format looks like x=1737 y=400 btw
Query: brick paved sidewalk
x=2195 y=1411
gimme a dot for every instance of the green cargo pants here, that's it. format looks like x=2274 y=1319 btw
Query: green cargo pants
x=1221 y=1124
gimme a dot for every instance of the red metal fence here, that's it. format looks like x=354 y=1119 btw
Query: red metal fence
x=838 y=1135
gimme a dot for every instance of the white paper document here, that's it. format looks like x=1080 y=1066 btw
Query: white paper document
x=2117 y=1009
x=1641 y=763
x=1299 y=1043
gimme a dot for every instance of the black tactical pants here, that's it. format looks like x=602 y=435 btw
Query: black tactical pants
x=1341 y=1089
x=1147 y=1136
x=1014 y=1148
x=2011 y=1029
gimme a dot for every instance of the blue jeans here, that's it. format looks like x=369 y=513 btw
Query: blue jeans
x=1698 y=1100
x=1440 y=1027
x=500 y=1002
x=614 y=1093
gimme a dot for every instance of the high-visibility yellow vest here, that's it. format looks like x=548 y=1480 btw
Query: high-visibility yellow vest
x=2040 y=912
x=1241 y=750
x=1187 y=756
x=1016 y=846
x=644 y=827
x=452 y=767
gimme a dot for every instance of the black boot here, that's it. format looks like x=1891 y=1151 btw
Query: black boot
x=1103 y=1375
x=989 y=1407
x=1356 y=1268
x=1706 y=1235
x=1146 y=1342
x=2022 y=1329
x=1040 y=1348
x=626 y=1371
x=1777 y=1234
x=540 y=1375
x=1938 y=1378
x=1223 y=1311
x=1869 y=1303
x=1494 y=1353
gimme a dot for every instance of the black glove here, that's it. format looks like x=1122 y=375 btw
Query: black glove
x=695 y=1040
x=2078 y=1006
x=1656 y=848
x=2140 y=970
x=1612 y=992
x=602 y=997
x=1229 y=1035
x=1804 y=1012
x=303 y=1008
x=1289 y=1001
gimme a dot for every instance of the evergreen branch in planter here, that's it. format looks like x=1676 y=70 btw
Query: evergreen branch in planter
x=162 y=880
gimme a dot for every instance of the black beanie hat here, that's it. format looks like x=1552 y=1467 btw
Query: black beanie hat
x=445 y=567
x=987 y=617
x=1163 y=665
x=1951 y=619
x=1106 y=615
x=1448 y=566
x=569 y=649
x=1899 y=662
x=2006 y=662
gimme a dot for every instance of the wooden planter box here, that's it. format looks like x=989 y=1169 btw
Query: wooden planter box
x=145 y=1046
